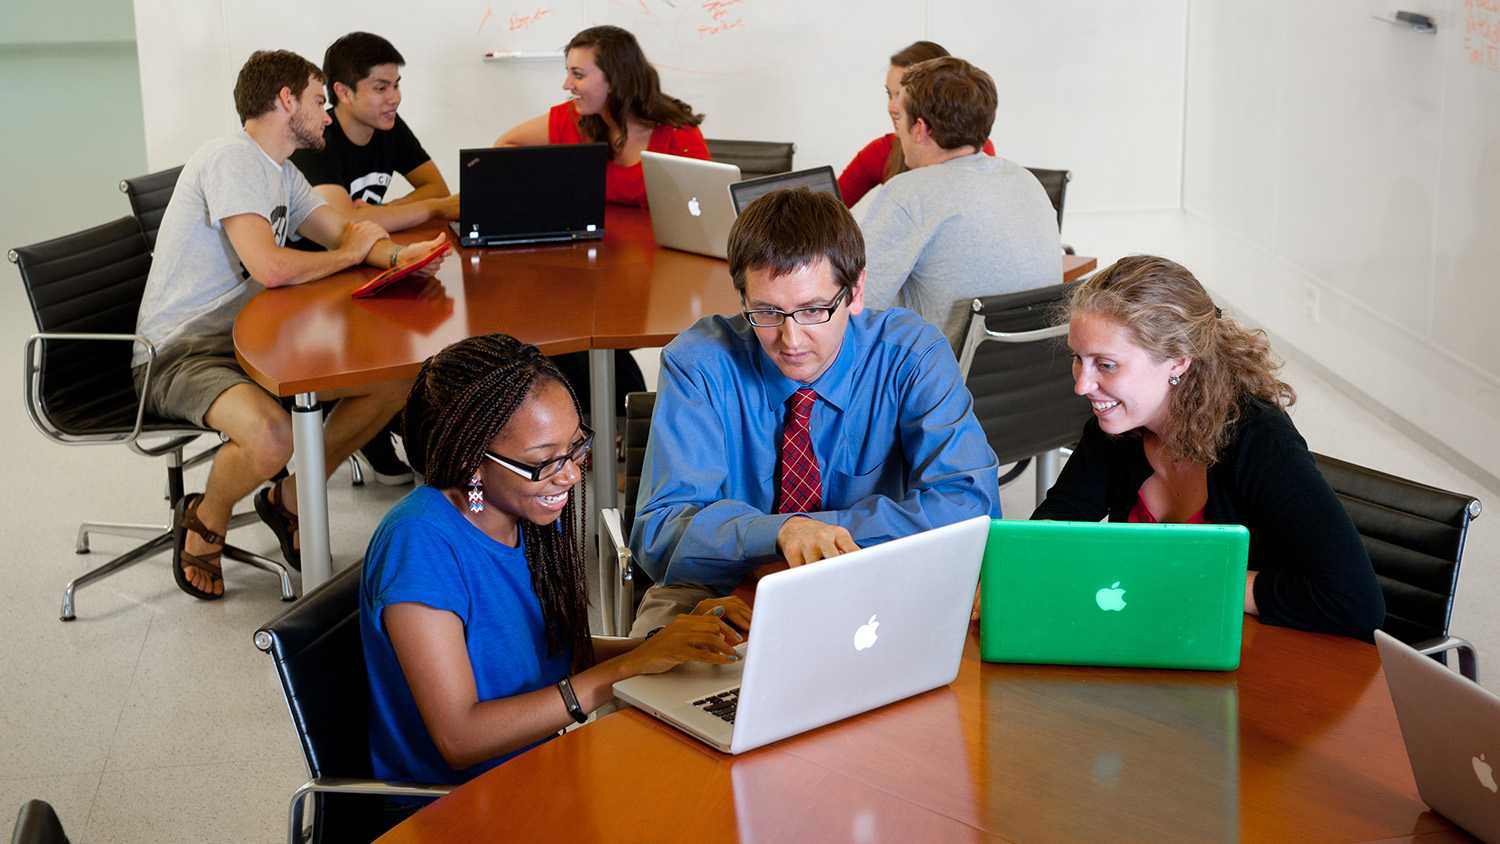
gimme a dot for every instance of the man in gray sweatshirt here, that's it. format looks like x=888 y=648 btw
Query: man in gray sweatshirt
x=960 y=224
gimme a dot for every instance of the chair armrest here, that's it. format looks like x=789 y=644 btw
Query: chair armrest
x=1468 y=657
x=978 y=333
x=350 y=785
x=619 y=601
x=33 y=402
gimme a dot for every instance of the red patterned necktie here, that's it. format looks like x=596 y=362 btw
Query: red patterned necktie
x=801 y=483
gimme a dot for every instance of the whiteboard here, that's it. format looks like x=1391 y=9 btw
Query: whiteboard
x=777 y=70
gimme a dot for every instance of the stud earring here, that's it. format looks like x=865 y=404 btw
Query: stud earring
x=1174 y=380
x=476 y=495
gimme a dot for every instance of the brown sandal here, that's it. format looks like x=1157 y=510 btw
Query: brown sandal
x=281 y=521
x=184 y=519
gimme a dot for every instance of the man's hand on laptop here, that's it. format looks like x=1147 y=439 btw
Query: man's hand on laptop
x=731 y=608
x=688 y=638
x=802 y=540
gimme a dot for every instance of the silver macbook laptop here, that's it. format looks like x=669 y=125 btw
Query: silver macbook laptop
x=830 y=640
x=542 y=194
x=689 y=201
x=818 y=178
x=1451 y=726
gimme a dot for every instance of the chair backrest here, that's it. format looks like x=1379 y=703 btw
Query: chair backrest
x=638 y=410
x=316 y=647
x=1022 y=385
x=1055 y=182
x=754 y=158
x=89 y=282
x=149 y=195
x=37 y=823
x=1415 y=535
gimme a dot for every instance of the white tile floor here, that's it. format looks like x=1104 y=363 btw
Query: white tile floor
x=153 y=718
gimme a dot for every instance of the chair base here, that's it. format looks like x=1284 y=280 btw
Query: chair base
x=159 y=539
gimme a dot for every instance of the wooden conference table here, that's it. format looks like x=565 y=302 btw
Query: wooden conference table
x=1299 y=744
x=621 y=292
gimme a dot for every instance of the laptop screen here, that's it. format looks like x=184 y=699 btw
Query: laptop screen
x=531 y=194
x=818 y=178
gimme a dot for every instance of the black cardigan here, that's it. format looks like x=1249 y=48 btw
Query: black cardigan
x=1314 y=572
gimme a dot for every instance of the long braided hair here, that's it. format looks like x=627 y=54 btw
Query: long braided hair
x=462 y=398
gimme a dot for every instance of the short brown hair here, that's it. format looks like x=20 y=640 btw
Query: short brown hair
x=265 y=73
x=956 y=99
x=792 y=228
x=918 y=51
x=1169 y=315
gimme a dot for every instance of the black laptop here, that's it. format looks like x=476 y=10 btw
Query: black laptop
x=543 y=194
x=818 y=178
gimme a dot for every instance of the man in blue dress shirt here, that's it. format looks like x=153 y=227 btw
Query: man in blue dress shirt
x=895 y=448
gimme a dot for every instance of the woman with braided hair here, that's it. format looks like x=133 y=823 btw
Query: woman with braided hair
x=1190 y=426
x=473 y=598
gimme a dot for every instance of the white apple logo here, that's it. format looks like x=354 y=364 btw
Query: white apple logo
x=864 y=637
x=693 y=207
x=1485 y=773
x=1112 y=598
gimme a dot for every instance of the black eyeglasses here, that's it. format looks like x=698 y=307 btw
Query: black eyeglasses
x=543 y=471
x=802 y=316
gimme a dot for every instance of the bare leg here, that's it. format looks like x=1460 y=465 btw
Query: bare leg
x=260 y=442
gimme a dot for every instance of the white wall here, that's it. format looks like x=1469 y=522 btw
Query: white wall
x=33 y=22
x=1363 y=160
x=1359 y=160
x=810 y=73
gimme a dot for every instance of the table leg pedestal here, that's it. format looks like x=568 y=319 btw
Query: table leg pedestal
x=312 y=490
x=606 y=476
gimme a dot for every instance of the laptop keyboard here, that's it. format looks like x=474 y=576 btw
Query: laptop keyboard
x=721 y=705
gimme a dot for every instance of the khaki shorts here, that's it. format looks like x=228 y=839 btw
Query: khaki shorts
x=187 y=377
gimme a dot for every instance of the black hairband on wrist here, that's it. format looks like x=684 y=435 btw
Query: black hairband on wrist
x=570 y=700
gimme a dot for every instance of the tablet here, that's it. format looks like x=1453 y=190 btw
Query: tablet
x=398 y=272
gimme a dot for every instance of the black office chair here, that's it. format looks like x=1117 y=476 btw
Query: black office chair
x=149 y=195
x=1415 y=535
x=37 y=823
x=316 y=647
x=85 y=290
x=629 y=580
x=1021 y=376
x=754 y=158
x=1055 y=182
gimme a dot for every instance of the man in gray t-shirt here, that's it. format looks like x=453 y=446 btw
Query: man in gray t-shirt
x=959 y=224
x=222 y=240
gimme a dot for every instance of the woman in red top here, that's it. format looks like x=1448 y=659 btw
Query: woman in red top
x=616 y=97
x=881 y=159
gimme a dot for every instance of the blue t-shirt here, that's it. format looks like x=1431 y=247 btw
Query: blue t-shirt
x=426 y=552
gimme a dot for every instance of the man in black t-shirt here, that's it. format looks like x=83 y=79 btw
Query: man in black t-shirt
x=367 y=143
x=364 y=147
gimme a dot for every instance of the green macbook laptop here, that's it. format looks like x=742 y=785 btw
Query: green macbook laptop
x=1101 y=593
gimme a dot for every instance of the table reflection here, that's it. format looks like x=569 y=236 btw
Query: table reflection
x=1071 y=757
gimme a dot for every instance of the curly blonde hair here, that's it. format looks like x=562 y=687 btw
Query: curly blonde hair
x=1170 y=315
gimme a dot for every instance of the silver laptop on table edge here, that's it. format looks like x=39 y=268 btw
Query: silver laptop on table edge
x=831 y=640
x=1451 y=728
x=689 y=202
